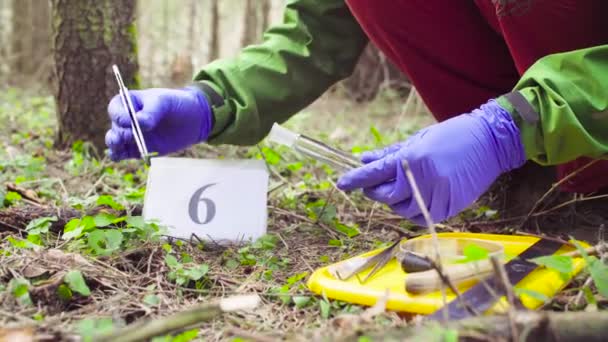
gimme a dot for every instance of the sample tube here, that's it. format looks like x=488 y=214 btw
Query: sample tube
x=314 y=149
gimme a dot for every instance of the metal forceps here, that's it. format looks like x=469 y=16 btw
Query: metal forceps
x=135 y=129
x=410 y=262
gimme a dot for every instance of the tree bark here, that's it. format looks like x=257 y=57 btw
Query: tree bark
x=250 y=26
x=266 y=8
x=30 y=40
x=373 y=72
x=214 y=45
x=21 y=30
x=89 y=36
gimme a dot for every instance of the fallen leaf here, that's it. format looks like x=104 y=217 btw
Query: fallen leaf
x=16 y=334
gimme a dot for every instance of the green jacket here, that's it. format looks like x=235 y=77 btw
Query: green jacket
x=562 y=115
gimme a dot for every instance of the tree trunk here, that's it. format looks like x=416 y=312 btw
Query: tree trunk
x=90 y=36
x=266 y=8
x=250 y=26
x=214 y=45
x=30 y=40
x=41 y=42
x=20 y=44
x=373 y=72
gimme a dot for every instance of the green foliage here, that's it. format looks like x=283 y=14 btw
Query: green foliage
x=531 y=293
x=105 y=242
x=326 y=213
x=186 y=336
x=325 y=308
x=82 y=160
x=151 y=300
x=376 y=134
x=473 y=252
x=597 y=269
x=110 y=202
x=105 y=234
x=183 y=273
x=38 y=230
x=11 y=198
x=75 y=281
x=88 y=328
x=19 y=288
x=260 y=252
x=561 y=263
x=301 y=301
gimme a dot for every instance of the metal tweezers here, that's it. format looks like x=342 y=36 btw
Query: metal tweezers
x=410 y=262
x=126 y=102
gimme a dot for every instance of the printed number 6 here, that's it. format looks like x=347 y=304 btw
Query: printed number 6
x=194 y=203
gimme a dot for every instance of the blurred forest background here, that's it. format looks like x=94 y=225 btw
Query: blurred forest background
x=66 y=48
x=174 y=38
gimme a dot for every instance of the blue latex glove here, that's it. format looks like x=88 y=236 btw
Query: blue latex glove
x=170 y=119
x=453 y=162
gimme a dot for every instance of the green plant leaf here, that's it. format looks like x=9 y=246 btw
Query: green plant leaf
x=232 y=264
x=105 y=242
x=597 y=269
x=589 y=296
x=20 y=243
x=64 y=292
x=19 y=288
x=76 y=282
x=136 y=222
x=347 y=230
x=196 y=273
x=301 y=301
x=88 y=327
x=377 y=136
x=171 y=261
x=151 y=300
x=325 y=308
x=75 y=228
x=335 y=243
x=560 y=263
x=272 y=157
x=110 y=202
x=473 y=252
x=40 y=225
x=104 y=219
x=186 y=336
x=12 y=197
x=599 y=273
x=35 y=239
x=532 y=294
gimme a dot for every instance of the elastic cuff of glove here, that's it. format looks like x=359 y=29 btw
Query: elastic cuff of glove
x=510 y=149
x=206 y=112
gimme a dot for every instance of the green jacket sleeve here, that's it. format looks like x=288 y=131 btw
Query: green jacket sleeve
x=561 y=106
x=317 y=44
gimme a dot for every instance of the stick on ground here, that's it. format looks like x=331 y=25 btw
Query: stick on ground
x=143 y=331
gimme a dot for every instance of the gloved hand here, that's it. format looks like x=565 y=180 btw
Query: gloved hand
x=170 y=120
x=453 y=162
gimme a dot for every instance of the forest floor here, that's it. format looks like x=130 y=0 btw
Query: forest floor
x=64 y=273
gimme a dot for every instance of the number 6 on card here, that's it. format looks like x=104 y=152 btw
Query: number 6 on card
x=219 y=200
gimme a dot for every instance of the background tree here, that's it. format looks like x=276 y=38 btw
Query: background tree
x=90 y=36
x=30 y=44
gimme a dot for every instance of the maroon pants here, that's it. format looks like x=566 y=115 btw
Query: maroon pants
x=461 y=53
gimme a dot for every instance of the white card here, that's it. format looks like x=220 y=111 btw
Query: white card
x=219 y=200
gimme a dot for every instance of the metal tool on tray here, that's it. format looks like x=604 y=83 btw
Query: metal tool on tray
x=128 y=104
x=414 y=257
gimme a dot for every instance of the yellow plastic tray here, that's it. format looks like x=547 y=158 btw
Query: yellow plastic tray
x=392 y=279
